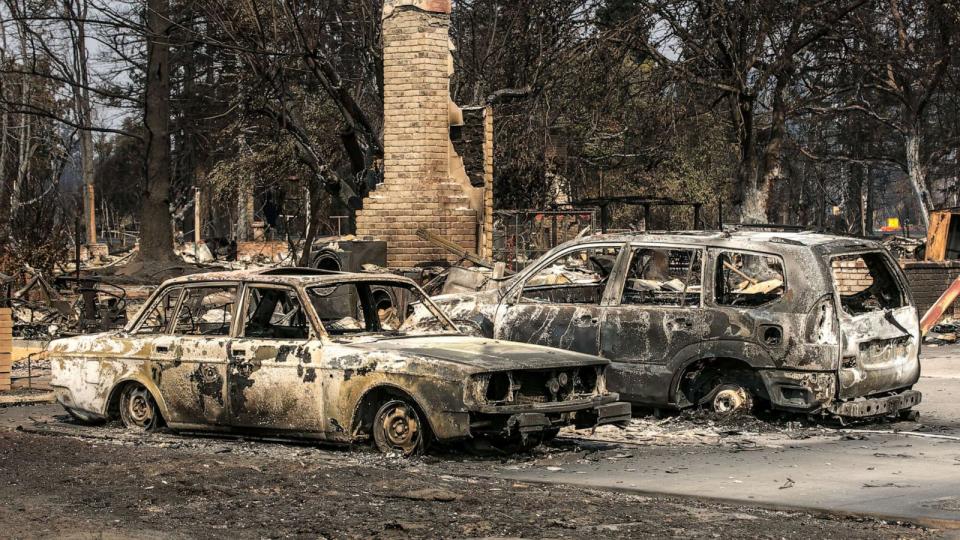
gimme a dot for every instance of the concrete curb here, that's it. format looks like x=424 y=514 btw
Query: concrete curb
x=46 y=397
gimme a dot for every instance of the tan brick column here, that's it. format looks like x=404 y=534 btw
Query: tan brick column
x=487 y=231
x=6 y=347
x=417 y=191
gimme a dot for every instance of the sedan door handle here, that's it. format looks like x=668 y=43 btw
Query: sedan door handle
x=589 y=318
x=163 y=349
x=239 y=354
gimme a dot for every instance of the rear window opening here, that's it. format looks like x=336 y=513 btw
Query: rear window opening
x=748 y=280
x=866 y=283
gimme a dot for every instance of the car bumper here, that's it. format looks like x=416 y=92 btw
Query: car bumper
x=550 y=407
x=813 y=392
x=610 y=413
x=881 y=406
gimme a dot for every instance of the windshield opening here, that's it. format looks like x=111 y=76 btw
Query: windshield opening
x=866 y=283
x=378 y=308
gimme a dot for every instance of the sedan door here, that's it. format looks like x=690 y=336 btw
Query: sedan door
x=274 y=371
x=561 y=302
x=195 y=384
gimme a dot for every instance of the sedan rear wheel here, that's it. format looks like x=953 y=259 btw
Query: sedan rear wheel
x=138 y=410
x=397 y=428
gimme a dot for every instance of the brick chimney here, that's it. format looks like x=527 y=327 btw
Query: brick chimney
x=425 y=184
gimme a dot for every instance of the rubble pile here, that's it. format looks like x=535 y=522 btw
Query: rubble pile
x=944 y=333
x=694 y=428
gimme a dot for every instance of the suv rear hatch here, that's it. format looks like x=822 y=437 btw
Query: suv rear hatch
x=879 y=326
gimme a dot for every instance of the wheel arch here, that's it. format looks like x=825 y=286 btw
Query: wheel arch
x=112 y=405
x=372 y=398
x=702 y=363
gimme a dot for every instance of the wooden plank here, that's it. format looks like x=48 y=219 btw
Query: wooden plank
x=937 y=310
x=454 y=248
x=937 y=236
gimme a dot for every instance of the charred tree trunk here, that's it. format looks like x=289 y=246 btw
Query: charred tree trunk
x=76 y=15
x=748 y=206
x=4 y=134
x=917 y=173
x=316 y=191
x=772 y=155
x=156 y=233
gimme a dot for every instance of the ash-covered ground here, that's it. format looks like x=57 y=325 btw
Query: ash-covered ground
x=61 y=479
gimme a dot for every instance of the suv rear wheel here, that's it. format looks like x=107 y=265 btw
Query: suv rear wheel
x=724 y=392
x=730 y=398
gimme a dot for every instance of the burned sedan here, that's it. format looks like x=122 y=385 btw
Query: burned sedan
x=312 y=354
x=804 y=322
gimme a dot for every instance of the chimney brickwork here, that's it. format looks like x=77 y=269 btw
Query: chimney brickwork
x=419 y=189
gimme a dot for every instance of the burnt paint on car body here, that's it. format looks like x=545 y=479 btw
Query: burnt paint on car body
x=652 y=349
x=317 y=388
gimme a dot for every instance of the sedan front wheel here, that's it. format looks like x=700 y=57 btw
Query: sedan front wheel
x=397 y=428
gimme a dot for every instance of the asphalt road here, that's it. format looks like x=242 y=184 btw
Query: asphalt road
x=911 y=476
x=866 y=470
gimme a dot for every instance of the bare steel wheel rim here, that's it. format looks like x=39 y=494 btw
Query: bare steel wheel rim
x=398 y=428
x=137 y=408
x=730 y=399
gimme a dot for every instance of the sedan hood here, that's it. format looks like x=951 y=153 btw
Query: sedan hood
x=482 y=354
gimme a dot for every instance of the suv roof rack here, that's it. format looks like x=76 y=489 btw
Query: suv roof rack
x=771 y=227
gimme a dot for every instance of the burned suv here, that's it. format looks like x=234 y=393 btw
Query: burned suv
x=805 y=322
x=311 y=354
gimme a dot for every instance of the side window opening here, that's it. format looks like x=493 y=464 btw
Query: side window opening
x=577 y=277
x=157 y=320
x=865 y=283
x=664 y=277
x=339 y=308
x=275 y=314
x=748 y=279
x=206 y=311
x=353 y=308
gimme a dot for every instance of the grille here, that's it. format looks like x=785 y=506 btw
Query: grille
x=553 y=385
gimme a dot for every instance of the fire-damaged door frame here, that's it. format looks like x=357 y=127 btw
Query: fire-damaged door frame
x=570 y=326
x=642 y=339
x=275 y=380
